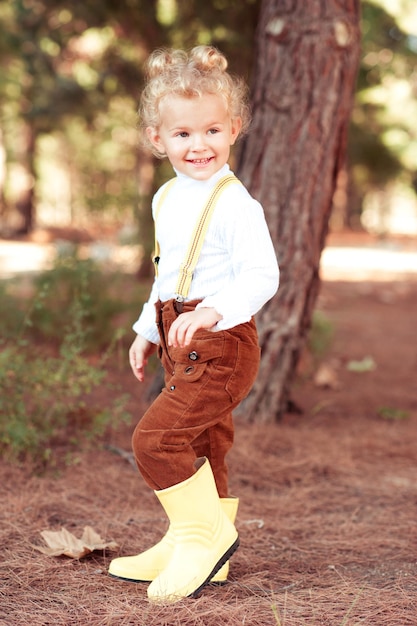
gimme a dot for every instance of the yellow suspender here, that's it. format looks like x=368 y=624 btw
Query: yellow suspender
x=194 y=249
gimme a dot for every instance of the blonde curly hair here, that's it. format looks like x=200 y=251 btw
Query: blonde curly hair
x=175 y=72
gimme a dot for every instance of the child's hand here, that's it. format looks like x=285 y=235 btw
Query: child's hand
x=139 y=352
x=186 y=324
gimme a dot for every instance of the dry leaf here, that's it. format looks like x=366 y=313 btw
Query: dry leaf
x=326 y=376
x=62 y=542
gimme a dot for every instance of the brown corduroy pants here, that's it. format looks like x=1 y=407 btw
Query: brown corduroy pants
x=192 y=416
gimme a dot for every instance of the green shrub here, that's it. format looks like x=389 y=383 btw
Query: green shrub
x=11 y=310
x=99 y=294
x=46 y=401
x=110 y=301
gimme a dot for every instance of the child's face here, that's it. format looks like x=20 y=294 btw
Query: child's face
x=195 y=134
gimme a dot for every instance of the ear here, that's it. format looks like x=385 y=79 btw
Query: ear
x=155 y=139
x=236 y=123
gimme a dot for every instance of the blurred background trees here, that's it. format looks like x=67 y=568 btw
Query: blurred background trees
x=71 y=75
x=70 y=81
x=383 y=143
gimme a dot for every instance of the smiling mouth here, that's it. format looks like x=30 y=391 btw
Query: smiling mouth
x=200 y=161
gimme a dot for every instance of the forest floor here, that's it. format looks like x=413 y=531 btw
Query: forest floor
x=328 y=496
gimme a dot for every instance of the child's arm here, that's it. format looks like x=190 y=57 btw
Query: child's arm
x=253 y=275
x=140 y=350
x=183 y=328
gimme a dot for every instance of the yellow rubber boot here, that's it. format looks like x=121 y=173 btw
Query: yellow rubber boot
x=146 y=566
x=229 y=506
x=205 y=538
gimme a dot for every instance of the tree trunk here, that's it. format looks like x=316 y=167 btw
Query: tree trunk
x=25 y=202
x=305 y=74
x=146 y=188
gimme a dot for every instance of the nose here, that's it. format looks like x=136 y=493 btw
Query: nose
x=198 y=142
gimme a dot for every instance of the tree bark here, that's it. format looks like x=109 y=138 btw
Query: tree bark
x=305 y=74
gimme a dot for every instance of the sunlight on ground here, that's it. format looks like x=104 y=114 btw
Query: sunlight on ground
x=363 y=263
x=379 y=261
x=18 y=257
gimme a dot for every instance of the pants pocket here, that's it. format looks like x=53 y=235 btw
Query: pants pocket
x=246 y=369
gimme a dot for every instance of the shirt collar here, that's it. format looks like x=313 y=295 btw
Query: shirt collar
x=209 y=183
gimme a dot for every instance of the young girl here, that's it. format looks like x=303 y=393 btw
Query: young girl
x=215 y=268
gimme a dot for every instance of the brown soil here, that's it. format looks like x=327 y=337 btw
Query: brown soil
x=328 y=499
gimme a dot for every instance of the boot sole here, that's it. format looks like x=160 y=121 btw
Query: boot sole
x=129 y=580
x=217 y=583
x=226 y=556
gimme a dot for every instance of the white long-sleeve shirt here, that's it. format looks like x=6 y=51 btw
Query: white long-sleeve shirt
x=237 y=271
